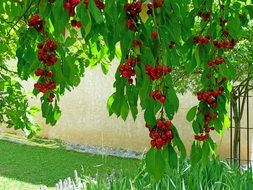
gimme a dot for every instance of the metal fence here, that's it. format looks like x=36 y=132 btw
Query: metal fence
x=245 y=127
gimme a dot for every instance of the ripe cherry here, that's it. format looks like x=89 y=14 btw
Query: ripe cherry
x=154 y=35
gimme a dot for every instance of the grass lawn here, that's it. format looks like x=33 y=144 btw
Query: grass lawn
x=25 y=167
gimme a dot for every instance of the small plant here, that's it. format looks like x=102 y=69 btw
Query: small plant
x=216 y=175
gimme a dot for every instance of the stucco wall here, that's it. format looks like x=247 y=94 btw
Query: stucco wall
x=85 y=119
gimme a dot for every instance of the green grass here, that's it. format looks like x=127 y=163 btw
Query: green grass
x=217 y=175
x=26 y=167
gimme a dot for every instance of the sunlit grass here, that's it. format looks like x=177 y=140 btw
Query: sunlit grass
x=12 y=184
x=32 y=165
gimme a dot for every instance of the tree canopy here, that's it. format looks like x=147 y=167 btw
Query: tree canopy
x=158 y=42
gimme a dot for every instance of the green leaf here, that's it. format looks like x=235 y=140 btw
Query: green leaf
x=172 y=103
x=234 y=26
x=124 y=110
x=70 y=41
x=57 y=113
x=44 y=9
x=250 y=10
x=85 y=18
x=191 y=113
x=96 y=14
x=109 y=104
x=196 y=154
x=205 y=152
x=226 y=121
x=172 y=157
x=177 y=142
x=60 y=17
x=155 y=163
x=149 y=114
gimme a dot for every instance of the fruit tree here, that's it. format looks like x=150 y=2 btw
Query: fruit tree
x=54 y=41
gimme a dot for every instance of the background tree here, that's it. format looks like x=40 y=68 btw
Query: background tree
x=14 y=109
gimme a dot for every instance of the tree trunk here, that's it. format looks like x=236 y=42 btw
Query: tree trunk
x=237 y=126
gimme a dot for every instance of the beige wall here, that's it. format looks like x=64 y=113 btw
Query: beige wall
x=85 y=119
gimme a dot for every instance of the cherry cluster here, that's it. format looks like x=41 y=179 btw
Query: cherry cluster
x=36 y=22
x=158 y=96
x=202 y=137
x=136 y=43
x=47 y=55
x=161 y=134
x=209 y=117
x=202 y=40
x=210 y=97
x=205 y=15
x=46 y=52
x=127 y=69
x=217 y=61
x=225 y=44
x=70 y=6
x=133 y=10
x=76 y=23
x=223 y=22
x=100 y=5
x=45 y=87
x=41 y=72
x=155 y=4
x=156 y=72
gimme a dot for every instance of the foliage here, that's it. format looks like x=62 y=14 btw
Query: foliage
x=59 y=39
x=14 y=109
x=217 y=175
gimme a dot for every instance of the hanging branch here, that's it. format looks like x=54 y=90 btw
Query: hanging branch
x=10 y=71
x=20 y=17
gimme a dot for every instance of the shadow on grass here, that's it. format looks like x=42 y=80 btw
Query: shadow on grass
x=40 y=165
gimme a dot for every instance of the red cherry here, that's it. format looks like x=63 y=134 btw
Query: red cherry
x=215 y=115
x=159 y=124
x=44 y=90
x=40 y=46
x=167 y=123
x=154 y=35
x=50 y=100
x=216 y=93
x=214 y=104
x=207 y=118
x=51 y=95
x=78 y=24
x=67 y=5
x=136 y=43
x=164 y=137
x=159 y=141
x=169 y=134
x=130 y=81
x=39 y=72
x=50 y=73
x=73 y=23
x=162 y=99
x=153 y=143
x=150 y=5
x=225 y=32
x=210 y=63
